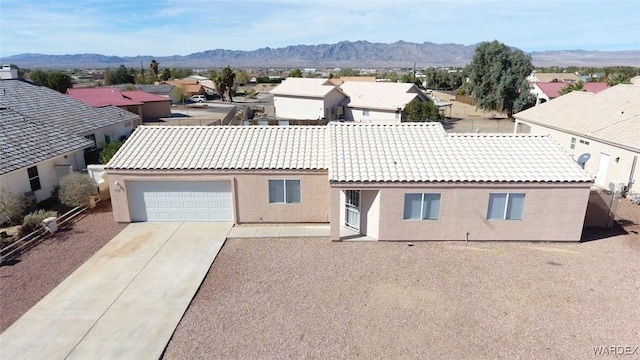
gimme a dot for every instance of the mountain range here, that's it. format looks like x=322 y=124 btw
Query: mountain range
x=357 y=54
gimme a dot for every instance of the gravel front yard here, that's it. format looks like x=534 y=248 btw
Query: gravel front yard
x=27 y=279
x=310 y=298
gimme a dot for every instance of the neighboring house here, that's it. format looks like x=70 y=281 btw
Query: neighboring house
x=553 y=77
x=106 y=96
x=191 y=86
x=308 y=99
x=382 y=102
x=146 y=105
x=545 y=91
x=339 y=81
x=53 y=110
x=605 y=125
x=165 y=90
x=153 y=106
x=35 y=156
x=389 y=182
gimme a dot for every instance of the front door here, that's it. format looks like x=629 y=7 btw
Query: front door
x=603 y=166
x=352 y=209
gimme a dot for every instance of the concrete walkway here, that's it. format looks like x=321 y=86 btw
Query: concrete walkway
x=278 y=230
x=125 y=301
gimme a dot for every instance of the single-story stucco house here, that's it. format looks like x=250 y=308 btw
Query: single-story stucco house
x=386 y=181
x=382 y=102
x=45 y=135
x=303 y=99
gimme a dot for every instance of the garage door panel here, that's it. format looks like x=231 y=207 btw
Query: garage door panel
x=180 y=201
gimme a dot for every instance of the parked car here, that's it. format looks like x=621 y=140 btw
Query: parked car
x=197 y=98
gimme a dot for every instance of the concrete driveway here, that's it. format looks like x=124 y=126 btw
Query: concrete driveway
x=125 y=301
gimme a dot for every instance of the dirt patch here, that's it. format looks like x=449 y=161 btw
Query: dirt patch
x=311 y=298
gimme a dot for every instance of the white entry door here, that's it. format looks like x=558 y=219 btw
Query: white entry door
x=603 y=166
x=352 y=209
x=189 y=201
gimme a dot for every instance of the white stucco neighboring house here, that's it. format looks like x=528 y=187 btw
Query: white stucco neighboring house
x=53 y=109
x=35 y=157
x=308 y=99
x=379 y=102
x=606 y=126
x=52 y=117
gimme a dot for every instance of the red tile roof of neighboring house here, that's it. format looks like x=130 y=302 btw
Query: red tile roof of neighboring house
x=552 y=89
x=595 y=87
x=143 y=96
x=99 y=97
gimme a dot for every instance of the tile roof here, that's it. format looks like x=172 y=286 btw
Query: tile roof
x=25 y=142
x=552 y=89
x=380 y=95
x=178 y=82
x=60 y=111
x=408 y=152
x=612 y=115
x=413 y=152
x=161 y=89
x=225 y=148
x=304 y=87
x=143 y=96
x=549 y=77
x=99 y=97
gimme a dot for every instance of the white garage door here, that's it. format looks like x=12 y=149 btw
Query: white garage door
x=180 y=201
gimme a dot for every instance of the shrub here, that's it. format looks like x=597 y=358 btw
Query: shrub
x=33 y=221
x=108 y=150
x=76 y=188
x=11 y=206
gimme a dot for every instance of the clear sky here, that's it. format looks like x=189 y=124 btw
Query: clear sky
x=163 y=27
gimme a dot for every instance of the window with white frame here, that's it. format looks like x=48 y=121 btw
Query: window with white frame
x=421 y=206
x=284 y=191
x=573 y=143
x=506 y=206
x=365 y=112
x=34 y=178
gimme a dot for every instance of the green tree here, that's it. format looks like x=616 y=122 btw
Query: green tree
x=154 y=69
x=39 y=77
x=498 y=76
x=242 y=77
x=348 y=72
x=422 y=111
x=228 y=77
x=59 y=81
x=121 y=75
x=577 y=86
x=220 y=87
x=180 y=73
x=108 y=150
x=166 y=74
x=181 y=94
x=297 y=73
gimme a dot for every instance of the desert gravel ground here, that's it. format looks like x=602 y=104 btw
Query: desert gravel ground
x=309 y=298
x=31 y=276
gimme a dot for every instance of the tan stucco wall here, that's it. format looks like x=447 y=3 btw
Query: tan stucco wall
x=552 y=213
x=250 y=193
x=156 y=109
